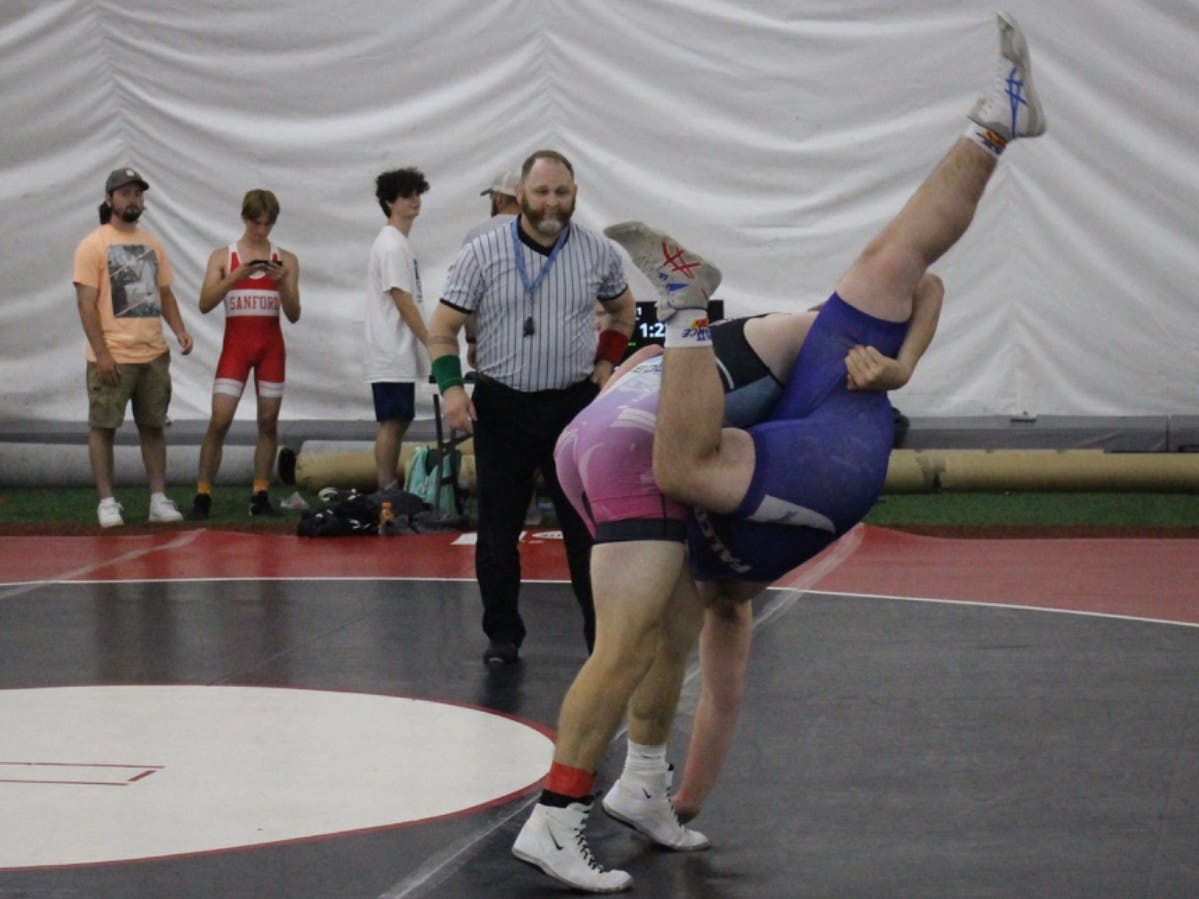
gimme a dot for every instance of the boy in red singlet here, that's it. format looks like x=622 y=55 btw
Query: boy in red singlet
x=254 y=280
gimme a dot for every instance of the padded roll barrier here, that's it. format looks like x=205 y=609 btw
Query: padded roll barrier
x=1041 y=471
x=346 y=470
x=1083 y=471
x=908 y=471
x=912 y=471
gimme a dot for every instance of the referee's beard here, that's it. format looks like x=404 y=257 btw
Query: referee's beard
x=549 y=224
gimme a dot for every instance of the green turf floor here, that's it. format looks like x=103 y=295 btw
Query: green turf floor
x=1038 y=509
x=230 y=504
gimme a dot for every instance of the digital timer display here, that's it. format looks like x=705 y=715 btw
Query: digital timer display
x=650 y=330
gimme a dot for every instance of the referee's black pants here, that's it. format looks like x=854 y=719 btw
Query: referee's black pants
x=514 y=437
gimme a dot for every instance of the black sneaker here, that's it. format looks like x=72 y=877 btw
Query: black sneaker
x=260 y=505
x=201 y=506
x=499 y=653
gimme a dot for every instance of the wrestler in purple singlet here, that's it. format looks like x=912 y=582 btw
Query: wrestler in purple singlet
x=835 y=442
x=820 y=458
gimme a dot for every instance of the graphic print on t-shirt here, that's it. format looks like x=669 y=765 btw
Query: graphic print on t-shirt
x=133 y=273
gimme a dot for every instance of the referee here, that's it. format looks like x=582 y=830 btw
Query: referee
x=531 y=287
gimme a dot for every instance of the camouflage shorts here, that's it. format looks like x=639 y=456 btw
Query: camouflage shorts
x=146 y=384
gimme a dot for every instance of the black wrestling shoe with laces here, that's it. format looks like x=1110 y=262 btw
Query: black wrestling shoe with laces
x=201 y=507
x=260 y=505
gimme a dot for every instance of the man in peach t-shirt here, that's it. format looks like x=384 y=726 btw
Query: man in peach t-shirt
x=123 y=290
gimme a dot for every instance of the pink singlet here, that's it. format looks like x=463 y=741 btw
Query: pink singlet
x=604 y=460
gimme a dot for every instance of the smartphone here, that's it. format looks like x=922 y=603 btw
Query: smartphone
x=262 y=262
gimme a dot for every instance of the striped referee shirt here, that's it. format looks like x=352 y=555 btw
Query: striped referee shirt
x=484 y=280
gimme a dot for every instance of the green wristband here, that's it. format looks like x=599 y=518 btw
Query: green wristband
x=447 y=372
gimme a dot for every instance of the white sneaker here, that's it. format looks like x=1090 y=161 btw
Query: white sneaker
x=163 y=508
x=1010 y=107
x=684 y=280
x=552 y=840
x=643 y=803
x=109 y=513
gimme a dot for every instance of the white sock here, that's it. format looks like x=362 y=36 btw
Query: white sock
x=985 y=138
x=688 y=329
x=108 y=501
x=643 y=760
x=157 y=497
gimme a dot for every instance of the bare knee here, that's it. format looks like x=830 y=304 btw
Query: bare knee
x=223 y=408
x=218 y=428
x=268 y=427
x=148 y=434
x=891 y=261
x=623 y=661
x=883 y=278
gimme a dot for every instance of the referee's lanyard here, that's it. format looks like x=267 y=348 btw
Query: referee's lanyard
x=531 y=288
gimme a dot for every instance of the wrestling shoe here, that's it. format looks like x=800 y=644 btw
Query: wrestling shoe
x=553 y=840
x=500 y=653
x=163 y=509
x=1010 y=108
x=260 y=506
x=643 y=803
x=109 y=513
x=683 y=279
x=201 y=507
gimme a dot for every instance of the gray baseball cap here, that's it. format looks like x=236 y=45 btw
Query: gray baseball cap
x=504 y=183
x=118 y=178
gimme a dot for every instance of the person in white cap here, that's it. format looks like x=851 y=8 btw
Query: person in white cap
x=123 y=293
x=504 y=207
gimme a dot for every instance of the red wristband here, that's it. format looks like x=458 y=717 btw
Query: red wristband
x=611 y=346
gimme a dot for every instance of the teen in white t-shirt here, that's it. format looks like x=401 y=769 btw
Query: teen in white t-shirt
x=394 y=357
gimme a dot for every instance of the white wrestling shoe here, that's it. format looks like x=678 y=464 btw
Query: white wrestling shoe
x=643 y=804
x=553 y=840
x=1010 y=107
x=109 y=512
x=163 y=508
x=684 y=280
